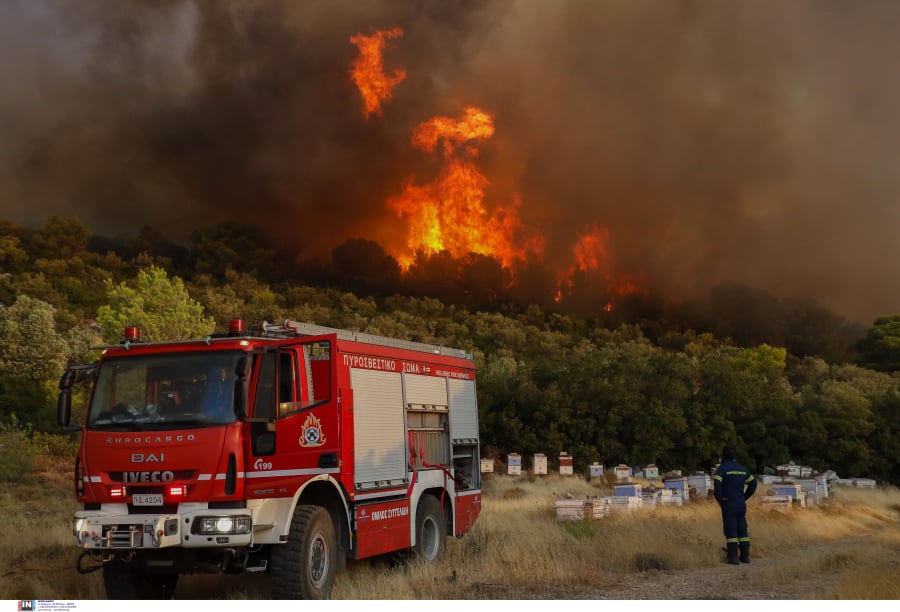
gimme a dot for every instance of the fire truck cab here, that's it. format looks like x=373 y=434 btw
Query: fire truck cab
x=288 y=451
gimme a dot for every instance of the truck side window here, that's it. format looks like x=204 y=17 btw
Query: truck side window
x=312 y=377
x=264 y=406
x=285 y=382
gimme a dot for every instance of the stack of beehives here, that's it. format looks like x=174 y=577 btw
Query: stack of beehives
x=571 y=509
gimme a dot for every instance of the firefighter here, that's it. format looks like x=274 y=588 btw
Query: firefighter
x=733 y=485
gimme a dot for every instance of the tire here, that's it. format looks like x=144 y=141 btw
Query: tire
x=431 y=529
x=122 y=581
x=304 y=567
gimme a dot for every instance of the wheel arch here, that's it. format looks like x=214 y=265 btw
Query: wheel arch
x=445 y=499
x=327 y=493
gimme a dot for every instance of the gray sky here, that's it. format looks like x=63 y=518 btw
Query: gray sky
x=754 y=142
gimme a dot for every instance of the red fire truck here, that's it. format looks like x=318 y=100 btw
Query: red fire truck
x=290 y=450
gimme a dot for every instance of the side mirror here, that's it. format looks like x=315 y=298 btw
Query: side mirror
x=68 y=379
x=64 y=401
x=64 y=407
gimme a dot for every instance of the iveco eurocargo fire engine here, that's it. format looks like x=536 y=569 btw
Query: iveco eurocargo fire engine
x=288 y=450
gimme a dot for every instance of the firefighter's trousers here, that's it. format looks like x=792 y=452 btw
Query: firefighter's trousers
x=734 y=524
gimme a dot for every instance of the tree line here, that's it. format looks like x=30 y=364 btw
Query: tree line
x=636 y=387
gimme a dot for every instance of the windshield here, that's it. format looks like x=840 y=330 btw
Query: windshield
x=168 y=391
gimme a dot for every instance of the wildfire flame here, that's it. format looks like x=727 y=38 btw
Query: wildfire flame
x=591 y=250
x=591 y=256
x=367 y=70
x=449 y=213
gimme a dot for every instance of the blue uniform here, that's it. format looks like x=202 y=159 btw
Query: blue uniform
x=733 y=485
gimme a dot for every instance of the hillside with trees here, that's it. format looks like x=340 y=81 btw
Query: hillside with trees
x=645 y=382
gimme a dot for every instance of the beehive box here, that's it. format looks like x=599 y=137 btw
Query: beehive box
x=616 y=503
x=778 y=502
x=596 y=508
x=669 y=497
x=565 y=464
x=821 y=487
x=651 y=497
x=651 y=471
x=580 y=509
x=790 y=489
x=569 y=509
x=595 y=470
x=699 y=484
x=623 y=472
x=808 y=491
x=514 y=464
x=679 y=486
x=539 y=463
x=487 y=466
x=627 y=489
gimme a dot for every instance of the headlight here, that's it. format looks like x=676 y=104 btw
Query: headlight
x=77 y=526
x=221 y=525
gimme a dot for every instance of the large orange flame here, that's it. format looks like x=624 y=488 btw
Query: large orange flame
x=449 y=213
x=367 y=70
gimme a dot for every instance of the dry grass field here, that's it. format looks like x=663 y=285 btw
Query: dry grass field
x=848 y=548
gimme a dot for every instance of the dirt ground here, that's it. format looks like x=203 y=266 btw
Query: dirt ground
x=757 y=580
x=765 y=578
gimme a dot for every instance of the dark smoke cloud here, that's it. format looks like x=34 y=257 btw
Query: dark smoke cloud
x=752 y=142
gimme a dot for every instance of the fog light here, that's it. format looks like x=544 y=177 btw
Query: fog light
x=170 y=527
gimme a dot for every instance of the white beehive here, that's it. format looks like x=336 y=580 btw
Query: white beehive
x=539 y=464
x=623 y=472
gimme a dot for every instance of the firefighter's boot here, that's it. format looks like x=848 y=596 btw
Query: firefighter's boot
x=745 y=552
x=732 y=553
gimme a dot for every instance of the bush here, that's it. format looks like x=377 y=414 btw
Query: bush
x=16 y=462
x=57 y=446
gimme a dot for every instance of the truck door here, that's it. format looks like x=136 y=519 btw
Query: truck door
x=308 y=426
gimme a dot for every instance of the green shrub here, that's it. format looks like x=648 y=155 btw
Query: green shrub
x=58 y=446
x=16 y=462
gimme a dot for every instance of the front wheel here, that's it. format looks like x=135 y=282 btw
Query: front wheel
x=431 y=529
x=304 y=567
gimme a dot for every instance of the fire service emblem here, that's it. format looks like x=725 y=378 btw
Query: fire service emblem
x=312 y=432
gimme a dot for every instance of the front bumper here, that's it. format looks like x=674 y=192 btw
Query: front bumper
x=192 y=526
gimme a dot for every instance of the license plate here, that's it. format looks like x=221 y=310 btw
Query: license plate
x=147 y=499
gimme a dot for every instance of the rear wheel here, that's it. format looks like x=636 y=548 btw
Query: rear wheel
x=304 y=567
x=121 y=581
x=431 y=529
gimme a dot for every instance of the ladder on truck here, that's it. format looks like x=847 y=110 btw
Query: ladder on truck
x=297 y=328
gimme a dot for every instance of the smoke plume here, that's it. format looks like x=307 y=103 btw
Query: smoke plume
x=707 y=141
